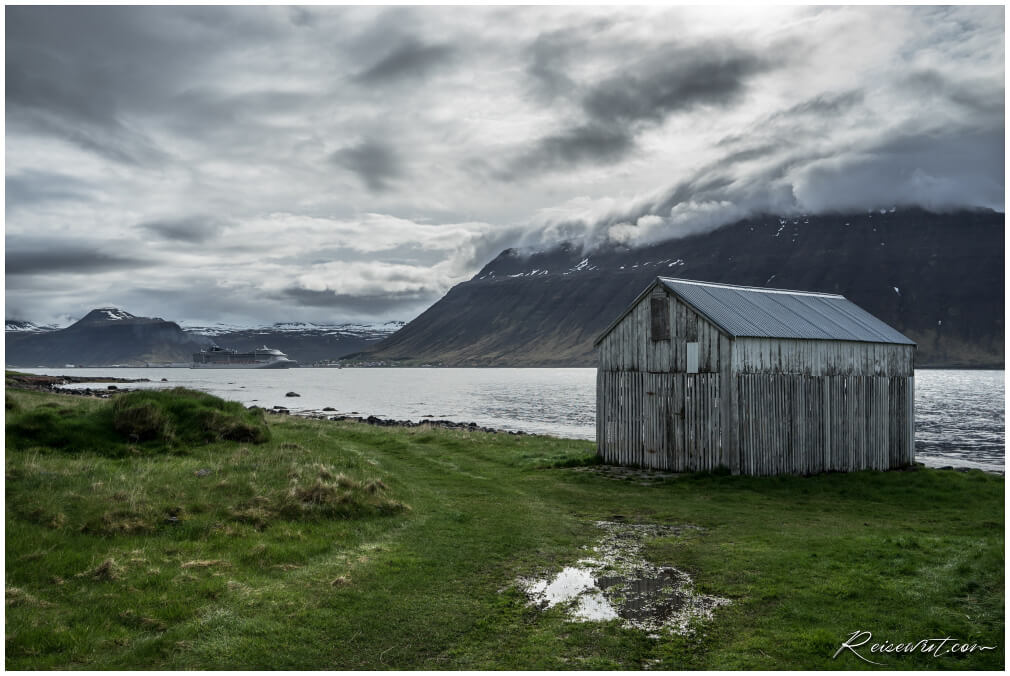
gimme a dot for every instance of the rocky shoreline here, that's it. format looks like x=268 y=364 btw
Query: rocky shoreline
x=57 y=384
x=27 y=381
x=389 y=422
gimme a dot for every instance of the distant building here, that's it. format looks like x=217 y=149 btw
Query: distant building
x=695 y=376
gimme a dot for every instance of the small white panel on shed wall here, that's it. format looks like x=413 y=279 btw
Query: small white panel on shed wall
x=692 y=357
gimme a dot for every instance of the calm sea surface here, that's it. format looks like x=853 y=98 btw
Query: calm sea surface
x=959 y=415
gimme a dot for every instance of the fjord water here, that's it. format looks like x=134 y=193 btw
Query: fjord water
x=959 y=415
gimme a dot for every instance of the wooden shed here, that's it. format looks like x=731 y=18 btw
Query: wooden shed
x=696 y=376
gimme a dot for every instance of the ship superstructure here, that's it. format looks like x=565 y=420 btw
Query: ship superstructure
x=216 y=357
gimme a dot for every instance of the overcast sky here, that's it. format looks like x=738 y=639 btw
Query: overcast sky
x=262 y=164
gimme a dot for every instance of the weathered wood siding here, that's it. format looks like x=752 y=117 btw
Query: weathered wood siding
x=756 y=406
x=821 y=357
x=797 y=424
x=629 y=347
x=650 y=412
x=668 y=421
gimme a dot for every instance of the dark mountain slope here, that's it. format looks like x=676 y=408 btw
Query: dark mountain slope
x=512 y=322
x=105 y=336
x=938 y=278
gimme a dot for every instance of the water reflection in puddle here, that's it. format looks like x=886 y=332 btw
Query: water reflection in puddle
x=576 y=585
x=616 y=583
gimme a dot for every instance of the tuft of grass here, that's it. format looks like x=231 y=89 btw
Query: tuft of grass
x=374 y=486
x=107 y=571
x=331 y=495
x=155 y=420
x=205 y=563
x=19 y=597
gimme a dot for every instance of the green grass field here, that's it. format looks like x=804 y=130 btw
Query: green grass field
x=323 y=545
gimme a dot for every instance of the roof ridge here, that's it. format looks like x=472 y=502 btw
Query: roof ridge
x=756 y=289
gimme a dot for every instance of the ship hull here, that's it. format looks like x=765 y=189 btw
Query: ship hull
x=279 y=364
x=216 y=357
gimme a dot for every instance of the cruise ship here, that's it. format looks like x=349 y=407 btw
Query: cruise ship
x=264 y=357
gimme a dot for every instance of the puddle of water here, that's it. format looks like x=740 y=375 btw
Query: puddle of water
x=566 y=585
x=593 y=606
x=617 y=583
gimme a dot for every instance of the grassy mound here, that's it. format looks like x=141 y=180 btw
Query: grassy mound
x=155 y=420
x=181 y=416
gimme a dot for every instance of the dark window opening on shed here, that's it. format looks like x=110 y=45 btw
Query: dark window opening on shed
x=660 y=319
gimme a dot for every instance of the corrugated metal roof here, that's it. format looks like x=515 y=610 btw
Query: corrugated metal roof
x=749 y=311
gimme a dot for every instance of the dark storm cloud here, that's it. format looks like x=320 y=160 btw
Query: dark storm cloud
x=410 y=60
x=191 y=229
x=33 y=187
x=552 y=52
x=50 y=258
x=673 y=81
x=360 y=304
x=375 y=163
x=88 y=75
x=583 y=145
x=641 y=95
x=50 y=94
x=51 y=82
x=549 y=54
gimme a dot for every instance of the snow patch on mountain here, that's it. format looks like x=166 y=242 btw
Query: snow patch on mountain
x=531 y=273
x=349 y=329
x=22 y=326
x=114 y=314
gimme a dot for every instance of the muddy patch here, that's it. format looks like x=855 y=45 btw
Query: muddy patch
x=617 y=583
x=639 y=475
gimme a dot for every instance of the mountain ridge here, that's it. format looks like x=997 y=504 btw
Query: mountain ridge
x=104 y=337
x=936 y=277
x=92 y=341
